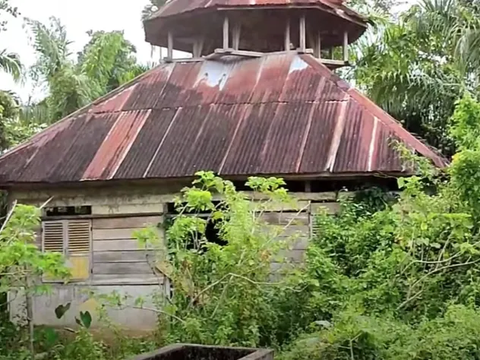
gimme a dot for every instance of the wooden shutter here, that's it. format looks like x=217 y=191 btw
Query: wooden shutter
x=78 y=237
x=53 y=238
x=73 y=239
x=78 y=249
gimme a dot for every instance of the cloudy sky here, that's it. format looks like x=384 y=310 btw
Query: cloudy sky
x=78 y=17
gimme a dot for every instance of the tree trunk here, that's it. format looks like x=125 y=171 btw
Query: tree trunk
x=29 y=302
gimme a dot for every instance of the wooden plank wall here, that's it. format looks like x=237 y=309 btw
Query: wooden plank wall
x=297 y=231
x=117 y=258
x=299 y=228
x=116 y=214
x=117 y=255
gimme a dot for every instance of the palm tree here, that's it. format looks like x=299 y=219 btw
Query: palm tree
x=8 y=113
x=51 y=46
x=10 y=64
x=69 y=89
x=105 y=63
x=108 y=59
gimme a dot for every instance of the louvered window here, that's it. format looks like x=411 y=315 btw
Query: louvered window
x=72 y=238
x=53 y=237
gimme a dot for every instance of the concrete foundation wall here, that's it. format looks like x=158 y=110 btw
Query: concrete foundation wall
x=79 y=297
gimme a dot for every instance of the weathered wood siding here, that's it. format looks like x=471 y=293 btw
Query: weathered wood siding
x=296 y=222
x=117 y=254
x=118 y=213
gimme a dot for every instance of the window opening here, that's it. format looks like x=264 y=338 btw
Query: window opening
x=290 y=185
x=212 y=233
x=68 y=211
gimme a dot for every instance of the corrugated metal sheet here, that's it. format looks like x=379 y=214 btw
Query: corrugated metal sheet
x=116 y=145
x=281 y=114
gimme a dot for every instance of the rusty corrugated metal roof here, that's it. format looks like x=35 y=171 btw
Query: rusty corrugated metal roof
x=281 y=114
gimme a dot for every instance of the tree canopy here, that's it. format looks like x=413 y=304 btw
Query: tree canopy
x=107 y=61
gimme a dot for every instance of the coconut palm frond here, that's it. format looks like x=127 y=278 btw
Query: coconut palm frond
x=10 y=64
x=51 y=46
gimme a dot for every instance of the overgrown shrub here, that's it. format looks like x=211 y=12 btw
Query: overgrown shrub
x=404 y=280
x=352 y=336
x=83 y=347
x=224 y=292
x=21 y=265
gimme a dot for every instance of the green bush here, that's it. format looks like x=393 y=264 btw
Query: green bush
x=352 y=336
x=225 y=292
x=401 y=282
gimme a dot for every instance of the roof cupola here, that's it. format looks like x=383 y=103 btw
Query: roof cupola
x=254 y=27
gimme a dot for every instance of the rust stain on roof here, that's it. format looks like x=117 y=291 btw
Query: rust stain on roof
x=116 y=144
x=281 y=114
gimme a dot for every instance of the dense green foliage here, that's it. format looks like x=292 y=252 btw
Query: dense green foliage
x=354 y=336
x=403 y=281
x=21 y=264
x=390 y=277
x=223 y=291
x=10 y=64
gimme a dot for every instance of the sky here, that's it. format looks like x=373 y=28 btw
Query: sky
x=78 y=17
